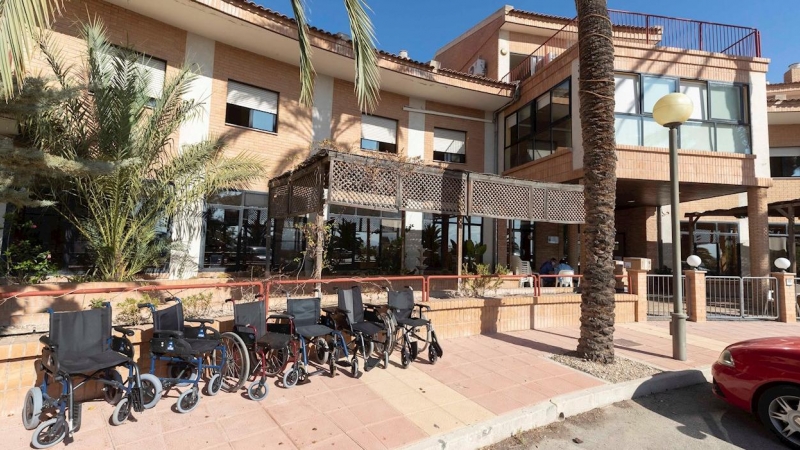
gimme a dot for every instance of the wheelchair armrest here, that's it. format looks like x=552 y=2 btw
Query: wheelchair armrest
x=123 y=330
x=371 y=306
x=334 y=310
x=168 y=333
x=45 y=339
x=422 y=305
x=201 y=321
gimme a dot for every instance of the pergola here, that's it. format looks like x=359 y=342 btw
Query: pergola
x=388 y=183
x=789 y=209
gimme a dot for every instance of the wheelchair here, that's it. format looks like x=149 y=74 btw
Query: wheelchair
x=267 y=351
x=369 y=332
x=190 y=351
x=304 y=316
x=402 y=306
x=80 y=347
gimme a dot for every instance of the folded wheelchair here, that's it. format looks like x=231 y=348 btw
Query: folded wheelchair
x=80 y=348
x=189 y=351
x=268 y=352
x=370 y=333
x=304 y=316
x=402 y=306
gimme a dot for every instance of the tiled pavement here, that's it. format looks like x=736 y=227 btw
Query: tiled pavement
x=479 y=377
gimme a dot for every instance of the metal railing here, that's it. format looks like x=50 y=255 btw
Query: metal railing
x=742 y=297
x=651 y=30
x=660 y=296
x=452 y=286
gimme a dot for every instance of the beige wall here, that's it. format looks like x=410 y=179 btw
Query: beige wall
x=480 y=44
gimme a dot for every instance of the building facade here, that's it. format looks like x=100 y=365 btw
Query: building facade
x=502 y=98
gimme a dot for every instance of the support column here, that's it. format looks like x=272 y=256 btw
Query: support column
x=787 y=297
x=696 y=294
x=758 y=218
x=639 y=288
x=459 y=243
x=322 y=111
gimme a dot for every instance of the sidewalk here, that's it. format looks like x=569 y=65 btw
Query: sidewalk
x=478 y=379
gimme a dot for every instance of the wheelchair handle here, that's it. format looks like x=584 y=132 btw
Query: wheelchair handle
x=258 y=296
x=172 y=299
x=145 y=305
x=123 y=330
x=230 y=300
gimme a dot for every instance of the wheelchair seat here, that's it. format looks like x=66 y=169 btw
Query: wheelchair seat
x=313 y=330
x=413 y=322
x=202 y=345
x=275 y=340
x=368 y=328
x=351 y=303
x=74 y=364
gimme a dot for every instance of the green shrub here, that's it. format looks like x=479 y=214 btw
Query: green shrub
x=197 y=306
x=128 y=312
x=96 y=304
x=489 y=281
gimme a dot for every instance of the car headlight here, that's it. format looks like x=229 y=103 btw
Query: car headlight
x=726 y=359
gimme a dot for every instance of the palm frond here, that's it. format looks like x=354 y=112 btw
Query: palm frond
x=367 y=82
x=306 y=68
x=19 y=20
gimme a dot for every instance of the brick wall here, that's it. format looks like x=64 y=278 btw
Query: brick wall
x=482 y=43
x=640 y=226
x=650 y=163
x=475 y=134
x=556 y=168
x=292 y=141
x=524 y=44
x=784 y=135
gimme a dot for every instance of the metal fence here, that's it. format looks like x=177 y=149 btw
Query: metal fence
x=741 y=298
x=660 y=297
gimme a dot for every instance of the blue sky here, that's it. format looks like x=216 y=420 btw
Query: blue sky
x=422 y=26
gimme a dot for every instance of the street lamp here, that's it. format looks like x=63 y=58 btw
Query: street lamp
x=671 y=111
x=694 y=261
x=782 y=263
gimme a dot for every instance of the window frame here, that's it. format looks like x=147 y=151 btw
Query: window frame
x=241 y=253
x=396 y=135
x=277 y=108
x=464 y=155
x=744 y=108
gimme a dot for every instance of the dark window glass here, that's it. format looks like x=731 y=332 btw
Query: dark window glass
x=450 y=157
x=784 y=166
x=250 y=118
x=368 y=144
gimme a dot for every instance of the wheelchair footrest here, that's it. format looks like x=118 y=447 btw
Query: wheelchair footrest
x=136 y=399
x=371 y=363
x=76 y=414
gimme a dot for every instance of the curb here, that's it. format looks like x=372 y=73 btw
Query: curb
x=558 y=408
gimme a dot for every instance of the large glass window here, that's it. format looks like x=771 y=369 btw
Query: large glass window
x=236 y=230
x=717 y=245
x=365 y=240
x=719 y=121
x=539 y=128
x=439 y=237
x=251 y=107
x=784 y=162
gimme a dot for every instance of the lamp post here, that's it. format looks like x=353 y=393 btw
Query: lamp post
x=671 y=111
x=782 y=263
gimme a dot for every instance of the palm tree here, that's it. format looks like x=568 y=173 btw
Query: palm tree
x=19 y=21
x=367 y=79
x=599 y=161
x=111 y=118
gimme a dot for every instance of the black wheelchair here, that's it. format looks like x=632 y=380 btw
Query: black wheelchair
x=370 y=333
x=402 y=305
x=190 y=351
x=304 y=317
x=80 y=348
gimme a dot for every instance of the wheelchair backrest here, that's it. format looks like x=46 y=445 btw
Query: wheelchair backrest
x=81 y=333
x=403 y=301
x=253 y=313
x=350 y=300
x=169 y=318
x=306 y=311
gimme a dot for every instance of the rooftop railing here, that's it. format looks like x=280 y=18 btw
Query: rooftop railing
x=649 y=30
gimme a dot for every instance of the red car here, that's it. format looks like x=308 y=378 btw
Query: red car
x=763 y=376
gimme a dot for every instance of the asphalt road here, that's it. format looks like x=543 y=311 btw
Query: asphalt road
x=689 y=418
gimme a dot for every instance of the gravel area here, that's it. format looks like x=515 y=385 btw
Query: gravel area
x=621 y=370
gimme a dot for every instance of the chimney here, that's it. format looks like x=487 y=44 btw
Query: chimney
x=404 y=54
x=793 y=74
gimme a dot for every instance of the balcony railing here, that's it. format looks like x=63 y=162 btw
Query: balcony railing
x=649 y=30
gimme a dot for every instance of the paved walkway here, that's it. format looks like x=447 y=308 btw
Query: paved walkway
x=479 y=378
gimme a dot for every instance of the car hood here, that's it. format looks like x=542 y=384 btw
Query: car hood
x=774 y=343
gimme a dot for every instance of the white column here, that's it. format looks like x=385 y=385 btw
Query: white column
x=759 y=126
x=322 y=111
x=416 y=149
x=188 y=228
x=503 y=61
x=501 y=136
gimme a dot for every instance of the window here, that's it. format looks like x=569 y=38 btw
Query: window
x=539 y=128
x=378 y=134
x=784 y=162
x=439 y=237
x=719 y=121
x=716 y=243
x=153 y=70
x=365 y=240
x=236 y=230
x=449 y=145
x=251 y=107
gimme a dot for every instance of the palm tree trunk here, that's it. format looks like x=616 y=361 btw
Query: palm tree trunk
x=599 y=161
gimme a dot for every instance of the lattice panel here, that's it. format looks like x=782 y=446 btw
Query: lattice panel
x=565 y=206
x=537 y=208
x=434 y=193
x=501 y=200
x=368 y=186
x=279 y=201
x=306 y=193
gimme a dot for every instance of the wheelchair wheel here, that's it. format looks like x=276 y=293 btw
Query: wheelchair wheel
x=334 y=356
x=291 y=377
x=213 y=385
x=49 y=433
x=151 y=390
x=276 y=360
x=32 y=408
x=113 y=394
x=432 y=355
x=321 y=350
x=405 y=358
x=121 y=412
x=188 y=401
x=236 y=367
x=385 y=360
x=354 y=368
x=257 y=390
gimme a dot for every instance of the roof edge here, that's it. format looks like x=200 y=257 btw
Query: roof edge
x=502 y=12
